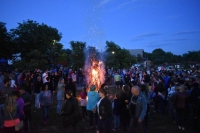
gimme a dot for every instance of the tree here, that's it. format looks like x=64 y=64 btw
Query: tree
x=7 y=48
x=158 y=56
x=31 y=36
x=192 y=56
x=117 y=57
x=77 y=56
x=35 y=60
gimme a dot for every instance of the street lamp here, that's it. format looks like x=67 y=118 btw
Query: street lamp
x=113 y=52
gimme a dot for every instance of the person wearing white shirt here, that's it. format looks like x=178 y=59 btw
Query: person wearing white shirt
x=44 y=76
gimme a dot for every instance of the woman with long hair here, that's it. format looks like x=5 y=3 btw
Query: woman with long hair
x=60 y=94
x=10 y=114
x=104 y=109
x=20 y=103
x=45 y=100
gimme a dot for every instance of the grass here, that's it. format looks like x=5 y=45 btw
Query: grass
x=157 y=123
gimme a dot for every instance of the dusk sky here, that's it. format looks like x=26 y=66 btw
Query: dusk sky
x=173 y=25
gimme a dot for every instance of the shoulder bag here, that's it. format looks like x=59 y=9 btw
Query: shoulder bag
x=19 y=126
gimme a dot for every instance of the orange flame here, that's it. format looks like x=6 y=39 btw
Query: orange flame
x=95 y=74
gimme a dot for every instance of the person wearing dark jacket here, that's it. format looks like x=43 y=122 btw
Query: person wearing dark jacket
x=104 y=109
x=124 y=100
x=38 y=88
x=27 y=107
x=181 y=103
x=116 y=112
x=195 y=99
x=71 y=86
x=127 y=78
x=137 y=108
x=70 y=112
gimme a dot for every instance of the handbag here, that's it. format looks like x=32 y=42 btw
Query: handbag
x=19 y=125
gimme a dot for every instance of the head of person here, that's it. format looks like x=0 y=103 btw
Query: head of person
x=183 y=88
x=102 y=92
x=70 y=80
x=45 y=87
x=16 y=94
x=143 y=88
x=7 y=82
x=68 y=94
x=46 y=71
x=48 y=79
x=22 y=90
x=92 y=88
x=117 y=95
x=125 y=88
x=135 y=90
x=84 y=89
x=38 y=78
x=144 y=72
x=62 y=81
x=10 y=103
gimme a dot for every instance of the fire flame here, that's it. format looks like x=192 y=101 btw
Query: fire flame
x=95 y=74
x=94 y=68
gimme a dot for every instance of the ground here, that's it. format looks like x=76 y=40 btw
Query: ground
x=157 y=123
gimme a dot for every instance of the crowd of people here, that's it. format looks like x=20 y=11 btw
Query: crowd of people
x=175 y=92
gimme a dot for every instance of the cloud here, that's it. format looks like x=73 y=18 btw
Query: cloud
x=159 y=45
x=187 y=32
x=143 y=36
x=122 y=5
x=137 y=39
x=177 y=39
x=148 y=35
x=94 y=34
x=104 y=2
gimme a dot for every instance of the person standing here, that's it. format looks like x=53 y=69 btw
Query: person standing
x=127 y=78
x=20 y=103
x=60 y=95
x=71 y=86
x=137 y=108
x=124 y=100
x=93 y=98
x=38 y=88
x=10 y=114
x=181 y=104
x=44 y=76
x=195 y=99
x=70 y=112
x=104 y=109
x=83 y=103
x=4 y=92
x=1 y=79
x=45 y=97
x=117 y=79
x=74 y=78
x=27 y=107
x=116 y=112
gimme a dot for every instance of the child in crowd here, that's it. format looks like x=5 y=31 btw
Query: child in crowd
x=83 y=103
x=116 y=112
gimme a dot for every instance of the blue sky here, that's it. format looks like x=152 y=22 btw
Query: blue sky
x=173 y=25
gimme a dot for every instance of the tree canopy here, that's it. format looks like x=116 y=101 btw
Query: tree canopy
x=117 y=57
x=32 y=39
